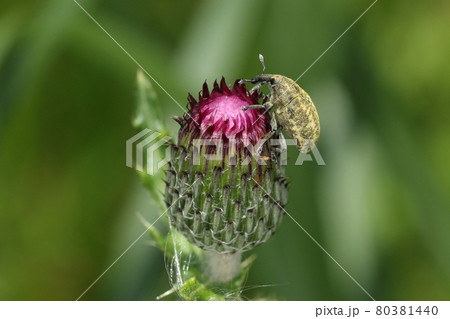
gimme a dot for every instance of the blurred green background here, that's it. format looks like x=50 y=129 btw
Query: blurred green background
x=380 y=206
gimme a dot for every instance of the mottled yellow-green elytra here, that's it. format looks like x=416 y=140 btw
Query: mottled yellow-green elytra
x=294 y=109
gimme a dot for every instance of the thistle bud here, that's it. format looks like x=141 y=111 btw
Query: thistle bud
x=225 y=186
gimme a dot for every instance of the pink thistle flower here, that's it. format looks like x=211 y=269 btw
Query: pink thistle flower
x=219 y=116
x=215 y=204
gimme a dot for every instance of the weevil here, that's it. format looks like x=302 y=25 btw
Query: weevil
x=294 y=109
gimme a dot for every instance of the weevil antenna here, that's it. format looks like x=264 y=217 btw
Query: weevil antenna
x=261 y=58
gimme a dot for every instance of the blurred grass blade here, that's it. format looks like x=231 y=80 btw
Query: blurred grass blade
x=217 y=27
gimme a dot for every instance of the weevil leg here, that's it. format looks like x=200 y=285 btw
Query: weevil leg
x=273 y=123
x=257 y=86
x=242 y=81
x=263 y=141
x=273 y=130
x=279 y=154
x=256 y=106
x=283 y=145
x=263 y=96
x=267 y=106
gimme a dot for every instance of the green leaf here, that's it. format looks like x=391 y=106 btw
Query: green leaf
x=148 y=111
x=148 y=116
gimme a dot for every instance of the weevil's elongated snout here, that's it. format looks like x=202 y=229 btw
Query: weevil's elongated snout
x=262 y=78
